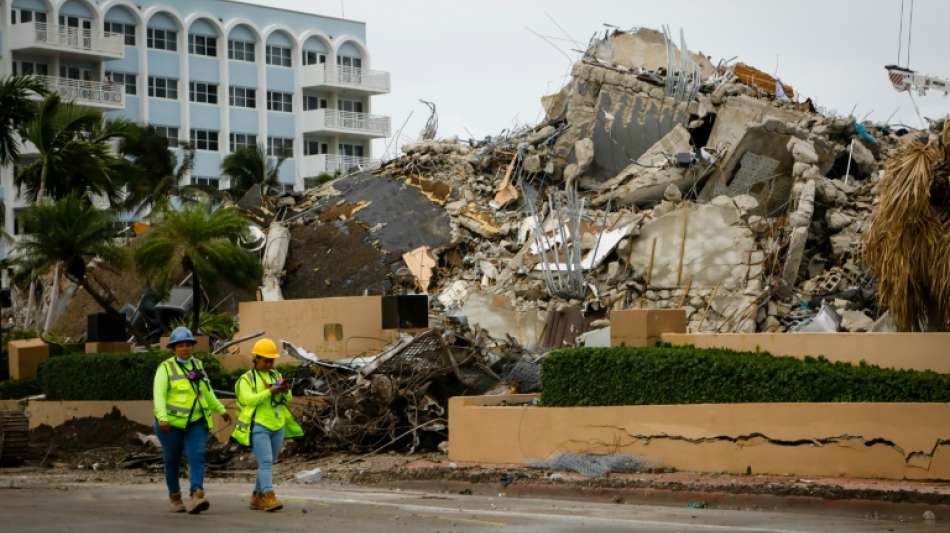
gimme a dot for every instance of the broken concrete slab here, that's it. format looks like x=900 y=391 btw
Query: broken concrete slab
x=634 y=121
x=494 y=314
x=716 y=244
x=397 y=205
x=644 y=48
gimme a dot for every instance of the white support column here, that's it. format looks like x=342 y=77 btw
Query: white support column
x=261 y=91
x=297 y=69
x=142 y=76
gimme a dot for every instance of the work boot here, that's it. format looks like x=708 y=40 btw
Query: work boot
x=198 y=502
x=270 y=502
x=176 y=505
x=257 y=501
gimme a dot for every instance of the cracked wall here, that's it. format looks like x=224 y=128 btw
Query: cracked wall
x=871 y=440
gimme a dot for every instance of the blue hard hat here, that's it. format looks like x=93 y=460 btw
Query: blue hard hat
x=180 y=334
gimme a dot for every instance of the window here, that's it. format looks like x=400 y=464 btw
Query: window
x=347 y=61
x=242 y=140
x=311 y=147
x=277 y=101
x=205 y=93
x=202 y=45
x=205 y=140
x=19 y=221
x=311 y=57
x=162 y=39
x=126 y=30
x=163 y=87
x=355 y=106
x=26 y=15
x=241 y=51
x=352 y=150
x=205 y=180
x=311 y=103
x=277 y=55
x=169 y=132
x=280 y=146
x=26 y=68
x=242 y=96
x=123 y=78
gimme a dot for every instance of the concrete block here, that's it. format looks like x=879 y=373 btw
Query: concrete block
x=108 y=347
x=644 y=327
x=25 y=356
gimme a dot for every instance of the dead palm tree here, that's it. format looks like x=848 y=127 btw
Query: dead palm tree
x=908 y=242
x=201 y=242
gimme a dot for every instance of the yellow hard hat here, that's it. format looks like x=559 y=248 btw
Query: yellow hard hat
x=266 y=348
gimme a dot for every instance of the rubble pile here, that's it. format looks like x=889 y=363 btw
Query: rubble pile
x=657 y=180
x=399 y=397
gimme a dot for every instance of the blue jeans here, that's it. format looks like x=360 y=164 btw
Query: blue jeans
x=266 y=445
x=193 y=441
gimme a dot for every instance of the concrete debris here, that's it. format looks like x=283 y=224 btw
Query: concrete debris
x=730 y=199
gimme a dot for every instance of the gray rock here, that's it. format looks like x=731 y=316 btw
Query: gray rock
x=802 y=151
x=837 y=220
x=672 y=193
x=532 y=163
x=584 y=152
x=745 y=203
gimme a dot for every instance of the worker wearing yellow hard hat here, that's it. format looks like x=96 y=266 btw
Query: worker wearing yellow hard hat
x=264 y=420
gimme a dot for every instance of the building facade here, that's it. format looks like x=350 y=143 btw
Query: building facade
x=219 y=74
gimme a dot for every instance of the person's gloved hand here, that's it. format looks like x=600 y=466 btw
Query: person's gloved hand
x=164 y=426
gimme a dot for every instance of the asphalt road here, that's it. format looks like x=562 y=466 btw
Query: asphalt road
x=86 y=508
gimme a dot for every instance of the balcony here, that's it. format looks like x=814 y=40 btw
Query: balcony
x=96 y=94
x=43 y=37
x=314 y=165
x=346 y=123
x=348 y=78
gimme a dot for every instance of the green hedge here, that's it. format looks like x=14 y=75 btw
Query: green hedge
x=19 y=388
x=115 y=376
x=685 y=375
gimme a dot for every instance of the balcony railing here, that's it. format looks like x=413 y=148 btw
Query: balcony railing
x=352 y=77
x=348 y=122
x=87 y=92
x=314 y=165
x=77 y=39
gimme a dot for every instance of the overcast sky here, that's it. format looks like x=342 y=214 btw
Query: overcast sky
x=486 y=71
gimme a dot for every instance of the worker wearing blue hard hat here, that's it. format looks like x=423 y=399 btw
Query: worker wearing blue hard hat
x=183 y=405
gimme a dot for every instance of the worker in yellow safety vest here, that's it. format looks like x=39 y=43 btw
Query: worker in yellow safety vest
x=184 y=402
x=264 y=420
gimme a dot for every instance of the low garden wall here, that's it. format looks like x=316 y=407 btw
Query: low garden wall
x=869 y=440
x=716 y=410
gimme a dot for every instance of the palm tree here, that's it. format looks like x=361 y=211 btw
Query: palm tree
x=16 y=110
x=74 y=152
x=69 y=232
x=155 y=174
x=201 y=242
x=249 y=166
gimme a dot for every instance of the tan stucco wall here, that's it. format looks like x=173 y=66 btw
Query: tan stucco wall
x=793 y=439
x=302 y=323
x=919 y=351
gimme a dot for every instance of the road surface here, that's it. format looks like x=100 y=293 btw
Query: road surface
x=102 y=508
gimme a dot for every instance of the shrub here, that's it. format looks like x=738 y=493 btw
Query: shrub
x=19 y=388
x=687 y=375
x=115 y=377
